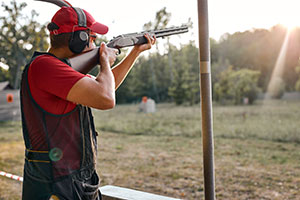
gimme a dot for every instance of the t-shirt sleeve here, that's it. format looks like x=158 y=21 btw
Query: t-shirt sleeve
x=54 y=76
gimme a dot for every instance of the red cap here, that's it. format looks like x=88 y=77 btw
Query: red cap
x=67 y=20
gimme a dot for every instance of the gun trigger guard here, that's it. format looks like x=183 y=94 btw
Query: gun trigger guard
x=119 y=52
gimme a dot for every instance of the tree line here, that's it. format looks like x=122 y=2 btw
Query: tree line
x=242 y=62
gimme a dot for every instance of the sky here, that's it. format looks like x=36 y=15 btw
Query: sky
x=225 y=16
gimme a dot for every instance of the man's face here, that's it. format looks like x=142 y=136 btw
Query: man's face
x=92 y=39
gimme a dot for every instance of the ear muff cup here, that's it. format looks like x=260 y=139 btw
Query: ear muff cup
x=78 y=41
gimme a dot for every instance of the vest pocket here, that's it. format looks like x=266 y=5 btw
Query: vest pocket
x=87 y=189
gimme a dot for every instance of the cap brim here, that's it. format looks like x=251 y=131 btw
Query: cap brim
x=99 y=28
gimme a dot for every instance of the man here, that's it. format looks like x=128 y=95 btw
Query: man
x=58 y=127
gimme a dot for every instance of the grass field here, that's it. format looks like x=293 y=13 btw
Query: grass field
x=257 y=151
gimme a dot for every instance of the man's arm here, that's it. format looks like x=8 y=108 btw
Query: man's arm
x=100 y=92
x=121 y=70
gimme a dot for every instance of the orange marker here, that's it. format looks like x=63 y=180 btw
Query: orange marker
x=9 y=98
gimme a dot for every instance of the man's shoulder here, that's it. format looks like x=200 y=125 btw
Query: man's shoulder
x=47 y=63
x=46 y=59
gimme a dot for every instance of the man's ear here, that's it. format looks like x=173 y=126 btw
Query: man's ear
x=52 y=26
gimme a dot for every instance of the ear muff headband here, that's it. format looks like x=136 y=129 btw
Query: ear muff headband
x=79 y=39
x=81 y=17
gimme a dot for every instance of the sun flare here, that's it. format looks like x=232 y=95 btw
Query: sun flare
x=290 y=15
x=290 y=22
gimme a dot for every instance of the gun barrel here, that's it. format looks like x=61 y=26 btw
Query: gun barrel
x=168 y=33
x=172 y=29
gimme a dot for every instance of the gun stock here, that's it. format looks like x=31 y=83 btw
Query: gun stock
x=86 y=61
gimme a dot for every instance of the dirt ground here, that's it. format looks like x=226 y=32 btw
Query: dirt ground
x=172 y=166
x=257 y=152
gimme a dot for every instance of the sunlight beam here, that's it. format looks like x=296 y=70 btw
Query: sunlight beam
x=276 y=81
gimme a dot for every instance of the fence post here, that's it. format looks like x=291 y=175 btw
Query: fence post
x=206 y=101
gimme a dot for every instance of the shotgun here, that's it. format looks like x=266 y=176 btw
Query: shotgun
x=86 y=61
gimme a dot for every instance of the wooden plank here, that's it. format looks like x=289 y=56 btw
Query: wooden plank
x=110 y=192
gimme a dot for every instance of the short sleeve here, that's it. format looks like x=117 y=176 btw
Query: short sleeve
x=54 y=76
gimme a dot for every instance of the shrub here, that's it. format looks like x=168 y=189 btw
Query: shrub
x=233 y=86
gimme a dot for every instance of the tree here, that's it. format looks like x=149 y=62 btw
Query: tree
x=255 y=49
x=258 y=49
x=162 y=19
x=182 y=85
x=140 y=80
x=235 y=85
x=20 y=35
x=185 y=83
x=297 y=85
x=179 y=87
x=3 y=74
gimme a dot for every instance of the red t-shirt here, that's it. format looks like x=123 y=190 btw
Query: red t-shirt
x=50 y=81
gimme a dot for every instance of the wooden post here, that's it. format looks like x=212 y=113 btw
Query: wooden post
x=206 y=101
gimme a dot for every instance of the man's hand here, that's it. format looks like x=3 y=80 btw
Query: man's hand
x=97 y=93
x=143 y=47
x=107 y=56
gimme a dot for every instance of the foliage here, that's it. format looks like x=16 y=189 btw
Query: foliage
x=235 y=85
x=168 y=77
x=20 y=35
x=297 y=85
x=180 y=85
x=3 y=75
x=144 y=78
x=162 y=19
x=185 y=83
x=276 y=88
x=258 y=49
